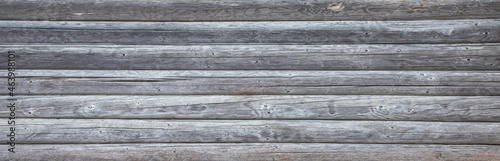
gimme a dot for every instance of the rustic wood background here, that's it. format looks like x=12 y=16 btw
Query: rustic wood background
x=253 y=80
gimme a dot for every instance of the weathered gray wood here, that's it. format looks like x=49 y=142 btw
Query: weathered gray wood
x=73 y=131
x=216 y=10
x=258 y=57
x=239 y=82
x=436 y=108
x=290 y=32
x=258 y=151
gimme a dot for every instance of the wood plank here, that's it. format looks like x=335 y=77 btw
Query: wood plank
x=274 y=151
x=290 y=32
x=258 y=57
x=239 y=82
x=423 y=108
x=223 y=10
x=82 y=131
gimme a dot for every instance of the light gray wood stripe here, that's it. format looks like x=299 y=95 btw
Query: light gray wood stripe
x=73 y=131
x=274 y=151
x=220 y=10
x=258 y=57
x=290 y=32
x=238 y=82
x=436 y=108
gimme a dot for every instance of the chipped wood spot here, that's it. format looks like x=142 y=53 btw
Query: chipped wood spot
x=336 y=7
x=79 y=14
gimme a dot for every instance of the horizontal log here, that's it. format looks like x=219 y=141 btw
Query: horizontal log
x=238 y=82
x=422 y=108
x=271 y=151
x=258 y=57
x=223 y=10
x=79 y=131
x=290 y=32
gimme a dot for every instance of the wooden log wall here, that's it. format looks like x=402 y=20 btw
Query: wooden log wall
x=251 y=80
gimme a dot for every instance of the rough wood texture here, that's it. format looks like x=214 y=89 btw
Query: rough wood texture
x=258 y=57
x=290 y=32
x=257 y=151
x=217 y=10
x=78 y=131
x=252 y=80
x=434 y=108
x=237 y=82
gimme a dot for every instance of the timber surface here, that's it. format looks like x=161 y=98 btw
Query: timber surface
x=290 y=32
x=241 y=10
x=77 y=131
x=252 y=80
x=263 y=107
x=259 y=57
x=255 y=151
x=263 y=82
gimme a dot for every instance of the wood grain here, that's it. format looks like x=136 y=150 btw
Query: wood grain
x=423 y=108
x=231 y=10
x=252 y=80
x=290 y=32
x=258 y=57
x=80 y=131
x=244 y=82
x=256 y=151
